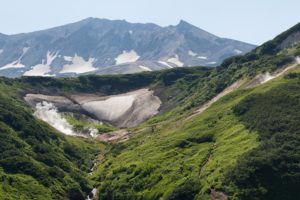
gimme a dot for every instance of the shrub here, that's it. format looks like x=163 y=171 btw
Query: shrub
x=187 y=191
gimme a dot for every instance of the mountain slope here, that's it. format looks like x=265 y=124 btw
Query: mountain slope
x=230 y=149
x=106 y=47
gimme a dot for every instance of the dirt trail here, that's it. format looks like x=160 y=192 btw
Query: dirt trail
x=266 y=77
x=258 y=80
x=228 y=90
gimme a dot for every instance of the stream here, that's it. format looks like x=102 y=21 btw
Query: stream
x=93 y=193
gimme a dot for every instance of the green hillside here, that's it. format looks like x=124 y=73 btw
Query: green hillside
x=244 y=146
x=192 y=157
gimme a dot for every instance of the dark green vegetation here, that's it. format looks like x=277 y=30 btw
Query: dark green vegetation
x=37 y=162
x=272 y=170
x=245 y=145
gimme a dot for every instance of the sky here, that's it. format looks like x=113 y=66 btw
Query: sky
x=253 y=21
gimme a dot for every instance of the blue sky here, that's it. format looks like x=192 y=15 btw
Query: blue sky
x=254 y=21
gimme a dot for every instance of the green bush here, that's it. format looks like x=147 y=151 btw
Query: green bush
x=187 y=191
x=272 y=170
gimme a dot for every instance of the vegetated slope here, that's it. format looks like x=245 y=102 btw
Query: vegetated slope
x=168 y=156
x=37 y=162
x=172 y=158
x=271 y=171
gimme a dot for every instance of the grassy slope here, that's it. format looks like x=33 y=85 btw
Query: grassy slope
x=153 y=165
x=172 y=154
x=270 y=171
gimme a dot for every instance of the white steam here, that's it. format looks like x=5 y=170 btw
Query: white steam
x=266 y=77
x=93 y=132
x=48 y=112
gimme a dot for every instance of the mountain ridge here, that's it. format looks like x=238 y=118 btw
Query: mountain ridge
x=92 y=44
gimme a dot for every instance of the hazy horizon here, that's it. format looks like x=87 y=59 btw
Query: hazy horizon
x=248 y=21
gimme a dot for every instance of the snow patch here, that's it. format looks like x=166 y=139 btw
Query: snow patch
x=127 y=57
x=44 y=68
x=17 y=63
x=145 y=68
x=13 y=65
x=111 y=108
x=202 y=57
x=79 y=65
x=25 y=49
x=68 y=58
x=130 y=32
x=175 y=61
x=165 y=64
x=237 y=51
x=191 y=53
x=1 y=51
x=38 y=70
x=212 y=63
x=122 y=110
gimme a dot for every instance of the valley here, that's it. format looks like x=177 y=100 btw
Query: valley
x=165 y=133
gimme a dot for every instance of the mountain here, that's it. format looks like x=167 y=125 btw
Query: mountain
x=230 y=132
x=101 y=46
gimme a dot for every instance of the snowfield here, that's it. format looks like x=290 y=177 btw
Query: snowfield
x=176 y=61
x=17 y=63
x=191 y=53
x=78 y=65
x=123 y=110
x=127 y=57
x=144 y=68
x=110 y=109
x=14 y=65
x=202 y=57
x=165 y=64
x=211 y=63
x=44 y=68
